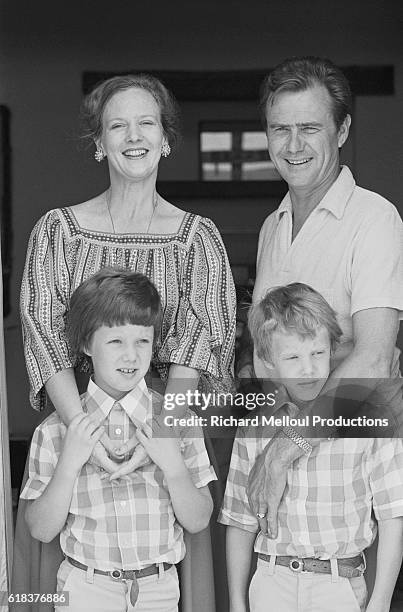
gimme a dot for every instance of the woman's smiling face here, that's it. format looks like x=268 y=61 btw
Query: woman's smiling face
x=132 y=134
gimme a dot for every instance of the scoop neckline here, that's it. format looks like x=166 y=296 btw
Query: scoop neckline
x=85 y=230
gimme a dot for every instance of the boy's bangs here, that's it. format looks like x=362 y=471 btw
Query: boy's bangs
x=125 y=312
x=305 y=324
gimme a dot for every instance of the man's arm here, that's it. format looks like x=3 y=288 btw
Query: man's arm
x=366 y=369
x=388 y=563
x=239 y=554
x=374 y=339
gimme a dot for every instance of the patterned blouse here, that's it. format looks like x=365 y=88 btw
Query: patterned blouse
x=189 y=268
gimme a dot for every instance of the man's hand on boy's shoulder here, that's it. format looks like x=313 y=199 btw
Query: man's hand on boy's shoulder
x=81 y=436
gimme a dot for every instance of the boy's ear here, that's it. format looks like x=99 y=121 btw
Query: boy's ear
x=86 y=351
x=268 y=364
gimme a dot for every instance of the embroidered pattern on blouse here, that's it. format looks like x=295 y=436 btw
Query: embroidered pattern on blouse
x=190 y=270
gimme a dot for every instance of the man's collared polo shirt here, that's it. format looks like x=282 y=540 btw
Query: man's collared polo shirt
x=350 y=249
x=124 y=525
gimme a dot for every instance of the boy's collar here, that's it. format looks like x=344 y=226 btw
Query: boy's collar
x=136 y=403
x=283 y=399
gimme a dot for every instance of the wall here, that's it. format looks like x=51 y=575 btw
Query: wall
x=46 y=46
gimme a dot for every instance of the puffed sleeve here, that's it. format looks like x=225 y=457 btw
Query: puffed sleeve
x=202 y=334
x=44 y=300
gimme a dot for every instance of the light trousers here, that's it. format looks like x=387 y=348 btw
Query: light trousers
x=90 y=592
x=278 y=589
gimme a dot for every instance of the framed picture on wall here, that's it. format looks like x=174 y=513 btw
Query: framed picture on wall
x=234 y=151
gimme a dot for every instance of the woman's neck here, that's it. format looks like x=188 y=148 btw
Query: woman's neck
x=131 y=206
x=131 y=200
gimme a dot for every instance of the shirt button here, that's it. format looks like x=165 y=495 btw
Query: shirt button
x=118 y=431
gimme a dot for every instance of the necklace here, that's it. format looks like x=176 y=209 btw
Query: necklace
x=155 y=204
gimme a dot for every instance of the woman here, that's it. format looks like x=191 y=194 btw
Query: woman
x=133 y=121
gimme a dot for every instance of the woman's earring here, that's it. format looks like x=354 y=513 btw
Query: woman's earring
x=99 y=154
x=165 y=149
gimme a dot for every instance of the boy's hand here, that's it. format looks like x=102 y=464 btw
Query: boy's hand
x=162 y=445
x=81 y=436
x=100 y=458
x=138 y=459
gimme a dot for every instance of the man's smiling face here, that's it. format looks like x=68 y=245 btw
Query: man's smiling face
x=303 y=138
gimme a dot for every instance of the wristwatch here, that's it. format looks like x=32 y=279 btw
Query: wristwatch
x=298 y=440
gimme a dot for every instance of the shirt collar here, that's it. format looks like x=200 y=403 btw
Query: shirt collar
x=335 y=199
x=285 y=206
x=136 y=403
x=283 y=400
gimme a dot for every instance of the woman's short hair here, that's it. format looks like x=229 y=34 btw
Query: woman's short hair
x=302 y=73
x=93 y=105
x=112 y=296
x=293 y=308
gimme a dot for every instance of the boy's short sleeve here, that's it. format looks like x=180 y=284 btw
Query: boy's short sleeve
x=43 y=459
x=195 y=456
x=386 y=478
x=235 y=510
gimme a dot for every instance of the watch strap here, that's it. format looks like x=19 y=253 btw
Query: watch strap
x=298 y=440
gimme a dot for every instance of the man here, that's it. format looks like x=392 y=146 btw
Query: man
x=344 y=241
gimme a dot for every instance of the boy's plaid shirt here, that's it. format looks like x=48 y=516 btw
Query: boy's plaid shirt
x=125 y=525
x=329 y=497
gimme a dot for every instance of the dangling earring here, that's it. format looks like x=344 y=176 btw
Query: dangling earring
x=165 y=149
x=99 y=153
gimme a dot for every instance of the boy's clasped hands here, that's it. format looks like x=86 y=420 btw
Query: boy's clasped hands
x=85 y=441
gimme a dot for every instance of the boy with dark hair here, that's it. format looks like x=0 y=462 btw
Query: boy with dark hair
x=325 y=516
x=121 y=538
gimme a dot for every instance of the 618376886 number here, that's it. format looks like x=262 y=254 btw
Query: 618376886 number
x=61 y=598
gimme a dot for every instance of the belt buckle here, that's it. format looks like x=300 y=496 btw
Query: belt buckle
x=116 y=574
x=296 y=565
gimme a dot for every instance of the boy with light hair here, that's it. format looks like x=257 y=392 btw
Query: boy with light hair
x=326 y=514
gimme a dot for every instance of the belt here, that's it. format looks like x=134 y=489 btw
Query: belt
x=118 y=574
x=347 y=568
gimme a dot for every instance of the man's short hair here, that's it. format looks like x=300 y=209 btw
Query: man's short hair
x=112 y=296
x=302 y=73
x=294 y=308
